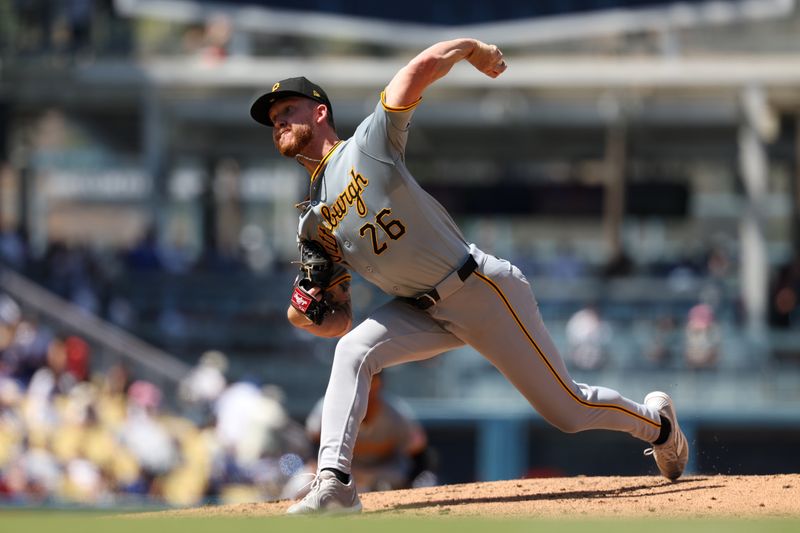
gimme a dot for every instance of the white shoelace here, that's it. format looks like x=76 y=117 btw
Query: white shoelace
x=311 y=485
x=672 y=456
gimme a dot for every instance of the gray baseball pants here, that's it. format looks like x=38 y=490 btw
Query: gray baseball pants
x=495 y=312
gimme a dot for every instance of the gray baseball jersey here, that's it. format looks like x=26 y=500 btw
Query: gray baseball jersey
x=373 y=217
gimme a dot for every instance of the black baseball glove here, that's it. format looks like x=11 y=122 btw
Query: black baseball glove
x=316 y=269
x=315 y=264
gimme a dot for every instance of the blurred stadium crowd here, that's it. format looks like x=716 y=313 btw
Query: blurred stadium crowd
x=70 y=435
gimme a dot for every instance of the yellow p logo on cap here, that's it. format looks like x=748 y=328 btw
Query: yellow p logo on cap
x=276 y=86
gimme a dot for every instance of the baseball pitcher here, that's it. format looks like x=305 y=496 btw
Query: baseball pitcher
x=366 y=213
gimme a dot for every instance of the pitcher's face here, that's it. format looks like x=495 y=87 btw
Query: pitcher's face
x=293 y=120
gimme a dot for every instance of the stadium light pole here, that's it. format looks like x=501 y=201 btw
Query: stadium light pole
x=615 y=180
x=795 y=188
x=154 y=146
x=756 y=128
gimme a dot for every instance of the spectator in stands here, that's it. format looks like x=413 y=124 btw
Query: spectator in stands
x=54 y=368
x=27 y=351
x=209 y=42
x=10 y=312
x=13 y=250
x=83 y=447
x=78 y=354
x=38 y=408
x=217 y=39
x=175 y=255
x=718 y=262
x=144 y=434
x=702 y=338
x=588 y=337
x=67 y=362
x=619 y=265
x=785 y=296
x=111 y=409
x=248 y=422
x=144 y=256
x=566 y=265
x=10 y=317
x=203 y=385
x=661 y=340
x=79 y=19
x=254 y=434
x=59 y=267
x=12 y=428
x=45 y=474
x=111 y=404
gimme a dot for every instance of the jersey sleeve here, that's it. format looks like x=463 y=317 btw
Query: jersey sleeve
x=384 y=133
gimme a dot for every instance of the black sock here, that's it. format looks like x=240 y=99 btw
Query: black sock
x=341 y=476
x=666 y=429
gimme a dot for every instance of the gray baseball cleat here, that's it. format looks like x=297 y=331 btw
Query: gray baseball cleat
x=328 y=495
x=672 y=456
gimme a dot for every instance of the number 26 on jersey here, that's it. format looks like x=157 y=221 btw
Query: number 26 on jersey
x=381 y=229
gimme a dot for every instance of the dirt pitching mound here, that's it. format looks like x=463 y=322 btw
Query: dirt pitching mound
x=693 y=496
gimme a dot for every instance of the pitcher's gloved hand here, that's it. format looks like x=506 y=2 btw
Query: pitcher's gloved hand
x=315 y=264
x=316 y=269
x=304 y=301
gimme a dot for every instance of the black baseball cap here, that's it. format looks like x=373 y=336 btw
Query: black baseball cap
x=288 y=87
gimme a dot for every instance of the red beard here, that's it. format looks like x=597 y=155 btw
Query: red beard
x=294 y=141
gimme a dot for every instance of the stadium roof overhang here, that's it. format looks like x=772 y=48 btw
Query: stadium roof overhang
x=266 y=20
x=561 y=90
x=569 y=90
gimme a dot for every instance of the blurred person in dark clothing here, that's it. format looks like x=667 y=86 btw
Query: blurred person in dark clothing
x=785 y=296
x=144 y=256
x=27 y=351
x=13 y=250
x=79 y=19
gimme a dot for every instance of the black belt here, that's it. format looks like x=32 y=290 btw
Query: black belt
x=430 y=298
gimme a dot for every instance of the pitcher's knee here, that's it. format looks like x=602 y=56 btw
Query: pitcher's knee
x=352 y=355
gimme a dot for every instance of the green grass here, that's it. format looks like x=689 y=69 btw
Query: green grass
x=97 y=522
